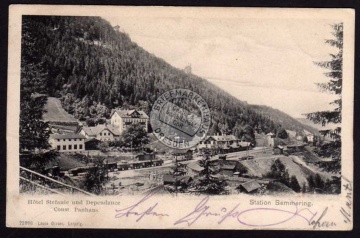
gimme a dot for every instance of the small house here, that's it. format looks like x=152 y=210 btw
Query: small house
x=186 y=180
x=193 y=169
x=278 y=150
x=145 y=156
x=243 y=145
x=249 y=186
x=223 y=143
x=100 y=132
x=169 y=179
x=92 y=144
x=228 y=169
x=182 y=155
x=309 y=136
x=291 y=134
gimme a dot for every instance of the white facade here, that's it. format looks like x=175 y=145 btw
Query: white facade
x=101 y=132
x=105 y=135
x=67 y=142
x=122 y=119
x=118 y=122
x=310 y=138
x=82 y=132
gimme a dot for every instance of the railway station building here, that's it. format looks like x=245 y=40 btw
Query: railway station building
x=67 y=142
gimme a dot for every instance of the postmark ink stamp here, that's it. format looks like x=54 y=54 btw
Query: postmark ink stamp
x=180 y=118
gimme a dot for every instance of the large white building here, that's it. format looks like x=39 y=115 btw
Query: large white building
x=101 y=132
x=122 y=119
x=67 y=142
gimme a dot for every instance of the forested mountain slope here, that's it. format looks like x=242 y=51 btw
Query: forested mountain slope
x=94 y=68
x=285 y=120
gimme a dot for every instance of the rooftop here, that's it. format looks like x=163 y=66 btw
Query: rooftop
x=306 y=132
x=244 y=143
x=250 y=186
x=224 y=138
x=95 y=130
x=291 y=133
x=195 y=166
x=169 y=178
x=67 y=136
x=130 y=114
x=228 y=167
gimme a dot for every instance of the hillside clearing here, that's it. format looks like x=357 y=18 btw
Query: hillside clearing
x=55 y=112
x=260 y=167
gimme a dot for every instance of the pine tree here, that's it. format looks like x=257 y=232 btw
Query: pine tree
x=96 y=177
x=285 y=178
x=334 y=67
x=304 y=188
x=34 y=132
x=209 y=182
x=319 y=183
x=282 y=134
x=294 y=184
x=311 y=183
x=277 y=169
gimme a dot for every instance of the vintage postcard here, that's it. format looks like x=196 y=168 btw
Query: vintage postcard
x=180 y=118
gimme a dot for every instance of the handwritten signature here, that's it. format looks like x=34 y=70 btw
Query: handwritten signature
x=149 y=211
x=346 y=211
x=254 y=217
x=203 y=210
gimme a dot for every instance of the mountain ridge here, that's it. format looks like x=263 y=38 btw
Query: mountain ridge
x=94 y=68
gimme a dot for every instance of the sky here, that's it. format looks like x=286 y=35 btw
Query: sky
x=260 y=61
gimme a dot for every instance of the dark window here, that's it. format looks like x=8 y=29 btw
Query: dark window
x=75 y=139
x=58 y=147
x=100 y=134
x=64 y=147
x=80 y=147
x=63 y=139
x=58 y=139
x=69 y=147
x=75 y=147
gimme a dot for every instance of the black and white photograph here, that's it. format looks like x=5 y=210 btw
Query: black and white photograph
x=183 y=104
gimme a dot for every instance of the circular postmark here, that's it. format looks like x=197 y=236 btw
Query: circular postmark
x=180 y=118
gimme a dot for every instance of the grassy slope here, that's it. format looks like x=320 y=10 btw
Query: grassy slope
x=259 y=167
x=67 y=161
x=55 y=112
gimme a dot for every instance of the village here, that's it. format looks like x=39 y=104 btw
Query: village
x=245 y=167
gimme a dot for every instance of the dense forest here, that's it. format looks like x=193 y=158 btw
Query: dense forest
x=94 y=68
